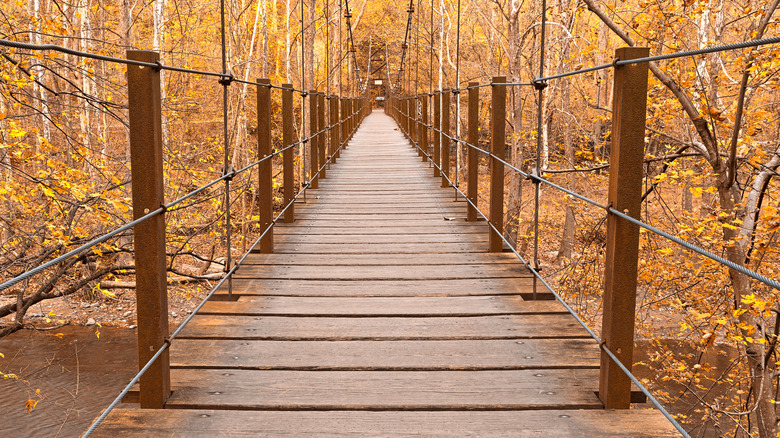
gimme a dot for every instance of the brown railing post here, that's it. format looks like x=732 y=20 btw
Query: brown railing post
x=424 y=127
x=413 y=102
x=473 y=158
x=445 y=141
x=146 y=158
x=323 y=140
x=436 y=134
x=497 y=140
x=265 y=169
x=344 y=127
x=335 y=138
x=314 y=153
x=629 y=109
x=288 y=135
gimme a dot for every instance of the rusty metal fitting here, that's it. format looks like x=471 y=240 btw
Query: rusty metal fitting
x=539 y=85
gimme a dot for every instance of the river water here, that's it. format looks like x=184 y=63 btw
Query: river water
x=77 y=373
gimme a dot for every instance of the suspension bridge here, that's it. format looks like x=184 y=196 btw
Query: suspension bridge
x=379 y=299
x=380 y=312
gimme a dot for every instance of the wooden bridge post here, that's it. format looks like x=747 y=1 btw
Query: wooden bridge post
x=323 y=140
x=473 y=159
x=146 y=158
x=445 y=141
x=497 y=146
x=265 y=197
x=424 y=127
x=436 y=134
x=288 y=134
x=335 y=138
x=413 y=119
x=343 y=120
x=314 y=152
x=629 y=111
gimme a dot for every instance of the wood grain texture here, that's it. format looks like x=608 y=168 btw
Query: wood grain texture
x=383 y=390
x=386 y=355
x=197 y=423
x=449 y=287
x=380 y=306
x=392 y=272
x=384 y=328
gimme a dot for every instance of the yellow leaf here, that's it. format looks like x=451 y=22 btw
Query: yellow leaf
x=59 y=335
x=696 y=191
x=31 y=405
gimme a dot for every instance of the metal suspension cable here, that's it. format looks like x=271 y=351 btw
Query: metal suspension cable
x=457 y=99
x=675 y=55
x=568 y=308
x=430 y=64
x=167 y=343
x=356 y=70
x=226 y=146
x=167 y=207
x=539 y=135
x=405 y=44
x=693 y=248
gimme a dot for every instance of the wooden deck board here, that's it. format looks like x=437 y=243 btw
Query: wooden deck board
x=449 y=287
x=550 y=325
x=380 y=306
x=384 y=272
x=197 y=423
x=385 y=356
x=380 y=314
x=384 y=390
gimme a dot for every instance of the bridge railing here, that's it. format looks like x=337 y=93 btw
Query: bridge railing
x=333 y=121
x=623 y=205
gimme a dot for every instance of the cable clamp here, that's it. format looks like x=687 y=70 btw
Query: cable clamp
x=533 y=177
x=164 y=208
x=615 y=62
x=157 y=66
x=229 y=173
x=227 y=79
x=304 y=94
x=539 y=85
x=456 y=92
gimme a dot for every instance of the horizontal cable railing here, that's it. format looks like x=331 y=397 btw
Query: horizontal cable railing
x=208 y=296
x=557 y=295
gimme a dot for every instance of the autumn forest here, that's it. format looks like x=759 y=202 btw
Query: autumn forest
x=708 y=333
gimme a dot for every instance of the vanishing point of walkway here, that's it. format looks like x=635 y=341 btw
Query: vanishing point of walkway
x=381 y=314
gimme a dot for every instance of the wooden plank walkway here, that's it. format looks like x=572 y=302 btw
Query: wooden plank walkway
x=381 y=314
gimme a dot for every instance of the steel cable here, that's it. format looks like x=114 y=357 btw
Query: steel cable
x=571 y=311
x=211 y=293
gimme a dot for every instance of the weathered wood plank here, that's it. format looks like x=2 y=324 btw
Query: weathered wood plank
x=379 y=229
x=378 y=288
x=375 y=248
x=359 y=223
x=380 y=306
x=386 y=355
x=196 y=423
x=380 y=390
x=383 y=328
x=386 y=259
x=379 y=239
x=397 y=272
